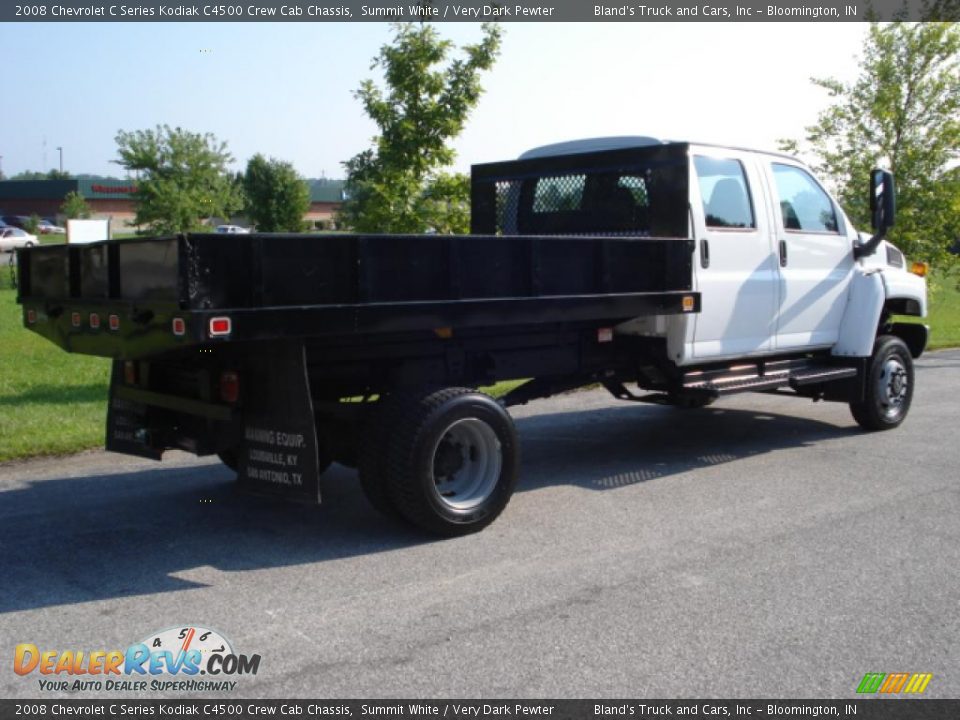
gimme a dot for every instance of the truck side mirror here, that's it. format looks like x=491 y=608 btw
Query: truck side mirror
x=883 y=208
x=883 y=200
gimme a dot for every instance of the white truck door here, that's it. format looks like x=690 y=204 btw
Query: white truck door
x=735 y=263
x=815 y=258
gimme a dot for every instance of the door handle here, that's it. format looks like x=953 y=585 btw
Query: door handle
x=704 y=253
x=783 y=253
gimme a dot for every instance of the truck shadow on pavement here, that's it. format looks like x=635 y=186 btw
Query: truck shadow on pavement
x=613 y=447
x=80 y=539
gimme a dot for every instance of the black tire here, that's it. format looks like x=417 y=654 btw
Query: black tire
x=453 y=459
x=372 y=454
x=889 y=386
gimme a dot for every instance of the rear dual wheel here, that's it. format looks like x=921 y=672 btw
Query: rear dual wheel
x=445 y=460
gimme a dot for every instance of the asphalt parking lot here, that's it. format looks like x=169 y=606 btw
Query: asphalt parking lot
x=762 y=547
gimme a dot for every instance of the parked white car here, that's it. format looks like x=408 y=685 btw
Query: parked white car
x=45 y=227
x=232 y=230
x=13 y=238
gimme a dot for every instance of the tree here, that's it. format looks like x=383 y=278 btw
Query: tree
x=182 y=178
x=75 y=207
x=32 y=225
x=29 y=175
x=277 y=197
x=902 y=112
x=400 y=184
x=52 y=174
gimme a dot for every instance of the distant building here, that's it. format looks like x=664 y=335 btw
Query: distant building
x=326 y=197
x=110 y=198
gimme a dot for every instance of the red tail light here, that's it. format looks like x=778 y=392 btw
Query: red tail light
x=130 y=372
x=75 y=319
x=31 y=316
x=114 y=322
x=229 y=386
x=179 y=327
x=94 y=321
x=220 y=326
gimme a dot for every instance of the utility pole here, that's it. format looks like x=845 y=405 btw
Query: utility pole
x=60 y=149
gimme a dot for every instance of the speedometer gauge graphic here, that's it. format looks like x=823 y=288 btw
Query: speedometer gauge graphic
x=184 y=639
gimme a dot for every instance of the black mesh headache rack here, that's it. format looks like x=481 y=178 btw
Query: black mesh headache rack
x=597 y=237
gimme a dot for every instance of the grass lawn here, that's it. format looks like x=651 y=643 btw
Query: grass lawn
x=943 y=315
x=54 y=402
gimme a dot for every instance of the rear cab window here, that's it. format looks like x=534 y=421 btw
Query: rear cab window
x=725 y=194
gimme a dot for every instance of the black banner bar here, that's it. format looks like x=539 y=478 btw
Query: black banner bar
x=868 y=709
x=473 y=11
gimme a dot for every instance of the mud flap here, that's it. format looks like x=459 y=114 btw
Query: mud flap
x=126 y=422
x=278 y=453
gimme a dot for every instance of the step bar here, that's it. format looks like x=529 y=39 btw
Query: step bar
x=708 y=385
x=759 y=382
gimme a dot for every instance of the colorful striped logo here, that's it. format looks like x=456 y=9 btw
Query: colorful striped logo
x=893 y=683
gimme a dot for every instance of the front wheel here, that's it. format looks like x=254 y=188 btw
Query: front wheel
x=452 y=461
x=889 y=386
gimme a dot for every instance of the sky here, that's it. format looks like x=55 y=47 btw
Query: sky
x=286 y=89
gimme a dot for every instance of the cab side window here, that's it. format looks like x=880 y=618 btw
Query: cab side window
x=804 y=205
x=725 y=193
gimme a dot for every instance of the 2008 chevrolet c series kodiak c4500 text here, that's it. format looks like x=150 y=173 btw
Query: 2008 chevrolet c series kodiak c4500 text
x=688 y=271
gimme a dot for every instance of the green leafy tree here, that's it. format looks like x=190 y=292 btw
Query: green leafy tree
x=182 y=178
x=277 y=197
x=902 y=112
x=30 y=175
x=75 y=207
x=32 y=225
x=52 y=174
x=400 y=185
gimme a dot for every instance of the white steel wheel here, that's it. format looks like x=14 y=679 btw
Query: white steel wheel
x=467 y=461
x=893 y=386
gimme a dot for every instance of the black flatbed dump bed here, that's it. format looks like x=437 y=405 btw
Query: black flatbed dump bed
x=283 y=352
x=131 y=299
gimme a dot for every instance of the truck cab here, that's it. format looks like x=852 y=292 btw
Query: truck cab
x=775 y=256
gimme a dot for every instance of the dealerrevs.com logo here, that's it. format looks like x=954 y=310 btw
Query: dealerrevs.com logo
x=171 y=660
